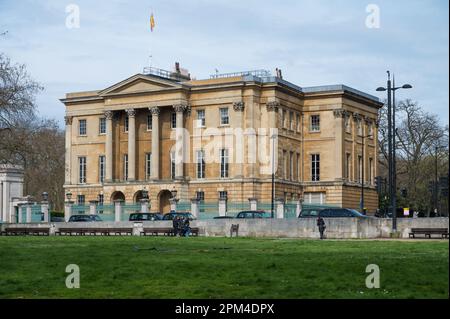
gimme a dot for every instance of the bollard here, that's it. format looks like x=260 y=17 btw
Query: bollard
x=44 y=210
x=117 y=210
x=280 y=208
x=144 y=205
x=68 y=210
x=194 y=207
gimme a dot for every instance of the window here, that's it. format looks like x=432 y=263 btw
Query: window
x=370 y=130
x=347 y=165
x=284 y=159
x=172 y=165
x=101 y=168
x=201 y=118
x=101 y=199
x=314 y=198
x=82 y=169
x=81 y=199
x=224 y=118
x=314 y=125
x=148 y=165
x=127 y=120
x=370 y=171
x=315 y=167
x=200 y=156
x=291 y=166
x=360 y=166
x=297 y=120
x=291 y=121
x=283 y=118
x=82 y=130
x=102 y=125
x=173 y=120
x=125 y=167
x=149 y=122
x=297 y=167
x=200 y=195
x=223 y=195
x=223 y=163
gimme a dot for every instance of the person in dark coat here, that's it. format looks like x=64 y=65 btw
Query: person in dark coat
x=321 y=225
x=176 y=225
x=186 y=227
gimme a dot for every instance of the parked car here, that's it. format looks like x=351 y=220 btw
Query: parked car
x=172 y=214
x=85 y=218
x=330 y=213
x=253 y=214
x=144 y=216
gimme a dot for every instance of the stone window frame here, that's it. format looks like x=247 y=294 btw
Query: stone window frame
x=222 y=117
x=102 y=125
x=149 y=122
x=101 y=168
x=172 y=165
x=148 y=165
x=126 y=124
x=315 y=167
x=291 y=120
x=298 y=122
x=224 y=163
x=291 y=165
x=348 y=165
x=314 y=127
x=202 y=119
x=173 y=120
x=82 y=169
x=84 y=121
x=200 y=167
x=125 y=167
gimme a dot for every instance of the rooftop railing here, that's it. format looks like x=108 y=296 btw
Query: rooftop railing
x=258 y=73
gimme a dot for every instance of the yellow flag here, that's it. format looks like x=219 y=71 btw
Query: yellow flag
x=152 y=22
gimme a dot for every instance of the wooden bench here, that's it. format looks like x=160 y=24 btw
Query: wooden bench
x=165 y=231
x=35 y=231
x=427 y=232
x=94 y=231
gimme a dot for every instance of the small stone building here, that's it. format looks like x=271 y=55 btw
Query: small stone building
x=11 y=191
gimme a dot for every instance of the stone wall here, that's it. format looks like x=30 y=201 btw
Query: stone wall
x=337 y=228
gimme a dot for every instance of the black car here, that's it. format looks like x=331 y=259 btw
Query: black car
x=330 y=213
x=144 y=216
x=223 y=217
x=252 y=214
x=57 y=219
x=172 y=214
x=84 y=218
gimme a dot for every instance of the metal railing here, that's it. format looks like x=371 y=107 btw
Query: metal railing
x=258 y=73
x=164 y=73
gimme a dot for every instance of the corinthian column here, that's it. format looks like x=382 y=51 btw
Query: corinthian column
x=131 y=144
x=155 y=142
x=109 y=146
x=68 y=142
x=179 y=147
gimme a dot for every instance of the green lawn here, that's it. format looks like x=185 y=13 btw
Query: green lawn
x=138 y=267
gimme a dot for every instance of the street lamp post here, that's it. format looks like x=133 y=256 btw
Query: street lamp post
x=436 y=181
x=391 y=147
x=273 y=137
x=362 y=173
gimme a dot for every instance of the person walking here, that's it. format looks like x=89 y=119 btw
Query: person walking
x=175 y=225
x=186 y=227
x=322 y=226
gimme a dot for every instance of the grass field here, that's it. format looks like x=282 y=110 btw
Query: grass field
x=137 y=267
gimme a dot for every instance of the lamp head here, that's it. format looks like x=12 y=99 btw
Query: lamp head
x=407 y=86
x=381 y=89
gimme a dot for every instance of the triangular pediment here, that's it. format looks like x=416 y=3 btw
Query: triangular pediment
x=140 y=83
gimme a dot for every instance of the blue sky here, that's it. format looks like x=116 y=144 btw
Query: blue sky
x=314 y=42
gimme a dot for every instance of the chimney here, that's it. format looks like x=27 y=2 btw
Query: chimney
x=279 y=74
x=177 y=67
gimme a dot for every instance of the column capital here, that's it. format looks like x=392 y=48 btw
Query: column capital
x=273 y=106
x=341 y=113
x=357 y=117
x=109 y=115
x=180 y=107
x=239 y=106
x=154 y=110
x=131 y=112
x=368 y=120
x=68 y=119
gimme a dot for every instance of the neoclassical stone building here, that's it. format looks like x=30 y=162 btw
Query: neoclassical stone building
x=211 y=138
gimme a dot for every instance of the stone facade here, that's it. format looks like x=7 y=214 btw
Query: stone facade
x=11 y=191
x=137 y=116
